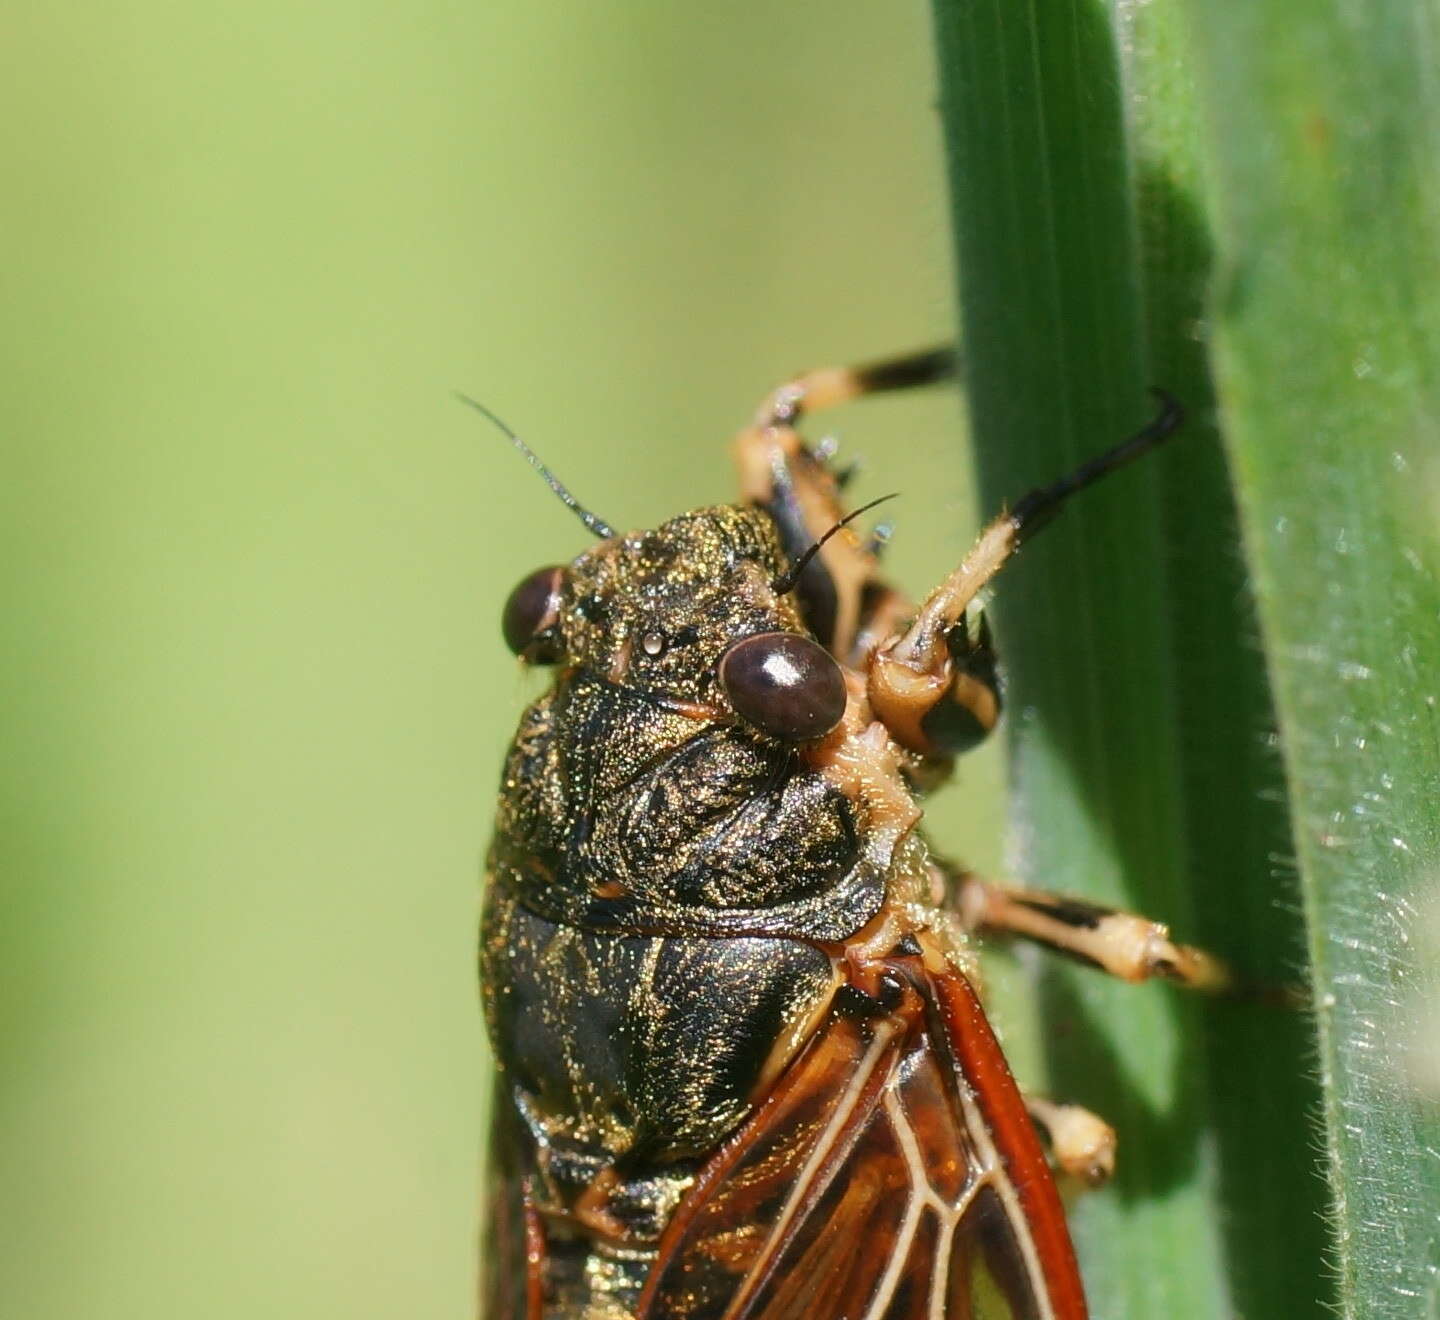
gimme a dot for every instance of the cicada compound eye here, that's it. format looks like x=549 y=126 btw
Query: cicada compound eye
x=532 y=609
x=784 y=684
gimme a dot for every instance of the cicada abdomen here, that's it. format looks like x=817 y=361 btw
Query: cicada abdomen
x=742 y=1070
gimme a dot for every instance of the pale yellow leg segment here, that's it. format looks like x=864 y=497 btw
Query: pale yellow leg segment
x=779 y=472
x=1121 y=943
x=825 y=387
x=1081 y=1143
x=910 y=675
x=771 y=439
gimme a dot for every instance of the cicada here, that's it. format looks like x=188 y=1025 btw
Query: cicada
x=742 y=1066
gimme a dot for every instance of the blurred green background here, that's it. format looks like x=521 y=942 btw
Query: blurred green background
x=255 y=694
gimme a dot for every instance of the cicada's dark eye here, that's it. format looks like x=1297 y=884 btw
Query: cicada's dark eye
x=785 y=685
x=532 y=609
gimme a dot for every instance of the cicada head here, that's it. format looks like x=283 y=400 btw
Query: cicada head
x=693 y=614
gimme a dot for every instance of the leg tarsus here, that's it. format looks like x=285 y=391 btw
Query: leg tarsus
x=1036 y=507
x=1081 y=1143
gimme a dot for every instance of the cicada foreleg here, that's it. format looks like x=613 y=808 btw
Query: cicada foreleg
x=847 y=604
x=824 y=387
x=933 y=685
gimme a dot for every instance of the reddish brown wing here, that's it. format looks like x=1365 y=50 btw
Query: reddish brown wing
x=514 y=1249
x=892 y=1174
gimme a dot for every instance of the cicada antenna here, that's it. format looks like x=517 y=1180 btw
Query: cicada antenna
x=787 y=580
x=592 y=521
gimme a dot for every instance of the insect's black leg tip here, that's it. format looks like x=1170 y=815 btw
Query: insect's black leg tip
x=1036 y=508
x=909 y=372
x=1172 y=413
x=1032 y=511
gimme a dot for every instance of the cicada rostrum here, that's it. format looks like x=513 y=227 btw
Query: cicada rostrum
x=743 y=1070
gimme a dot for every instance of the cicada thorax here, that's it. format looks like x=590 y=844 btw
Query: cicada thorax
x=665 y=876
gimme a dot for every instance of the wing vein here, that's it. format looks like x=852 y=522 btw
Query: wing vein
x=756 y=1275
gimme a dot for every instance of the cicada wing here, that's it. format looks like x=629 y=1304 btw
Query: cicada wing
x=512 y=1243
x=892 y=1173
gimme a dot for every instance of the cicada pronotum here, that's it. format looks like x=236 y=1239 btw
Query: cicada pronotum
x=743 y=1070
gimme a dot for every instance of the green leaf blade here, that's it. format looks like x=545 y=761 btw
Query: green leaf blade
x=1324 y=136
x=1145 y=773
